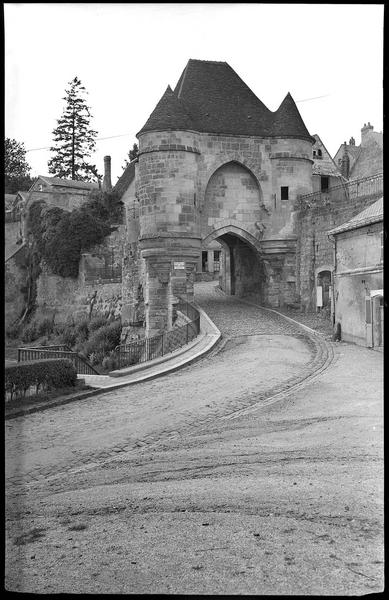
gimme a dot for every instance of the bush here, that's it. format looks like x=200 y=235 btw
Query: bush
x=102 y=341
x=12 y=332
x=44 y=326
x=82 y=330
x=97 y=322
x=111 y=362
x=52 y=373
x=68 y=337
x=30 y=333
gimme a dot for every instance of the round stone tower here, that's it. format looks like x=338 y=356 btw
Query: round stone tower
x=169 y=239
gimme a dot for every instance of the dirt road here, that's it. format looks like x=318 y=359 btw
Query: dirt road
x=194 y=483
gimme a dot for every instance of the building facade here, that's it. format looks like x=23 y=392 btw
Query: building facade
x=358 y=277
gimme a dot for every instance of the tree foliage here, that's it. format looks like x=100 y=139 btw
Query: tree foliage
x=61 y=236
x=16 y=167
x=74 y=140
x=133 y=153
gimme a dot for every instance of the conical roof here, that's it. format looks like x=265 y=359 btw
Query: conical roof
x=287 y=120
x=220 y=102
x=169 y=114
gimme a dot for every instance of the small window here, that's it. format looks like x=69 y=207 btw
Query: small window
x=314 y=153
x=319 y=153
x=216 y=255
x=284 y=192
x=324 y=184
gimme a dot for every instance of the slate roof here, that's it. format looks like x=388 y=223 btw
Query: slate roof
x=82 y=185
x=211 y=97
x=372 y=214
x=125 y=178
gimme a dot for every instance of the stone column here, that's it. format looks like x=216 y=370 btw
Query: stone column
x=158 y=302
x=210 y=261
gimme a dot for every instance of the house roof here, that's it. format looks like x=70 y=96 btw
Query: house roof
x=372 y=214
x=125 y=179
x=81 y=185
x=324 y=165
x=9 y=200
x=211 y=97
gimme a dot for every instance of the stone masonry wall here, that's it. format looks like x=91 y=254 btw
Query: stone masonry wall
x=315 y=251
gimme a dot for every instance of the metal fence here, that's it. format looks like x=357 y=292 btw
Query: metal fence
x=365 y=186
x=158 y=345
x=82 y=366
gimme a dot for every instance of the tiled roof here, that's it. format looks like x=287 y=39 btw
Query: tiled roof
x=81 y=185
x=324 y=165
x=211 y=97
x=169 y=113
x=371 y=214
x=125 y=179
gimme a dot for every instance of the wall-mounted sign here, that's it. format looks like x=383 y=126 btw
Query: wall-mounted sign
x=178 y=266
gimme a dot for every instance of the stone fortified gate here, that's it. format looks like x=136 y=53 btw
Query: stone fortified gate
x=214 y=164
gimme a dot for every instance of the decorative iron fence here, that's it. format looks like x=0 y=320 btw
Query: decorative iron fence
x=365 y=186
x=158 y=345
x=82 y=366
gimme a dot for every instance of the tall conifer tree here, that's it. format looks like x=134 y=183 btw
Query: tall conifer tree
x=74 y=140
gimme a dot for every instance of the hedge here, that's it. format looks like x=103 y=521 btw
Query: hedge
x=46 y=374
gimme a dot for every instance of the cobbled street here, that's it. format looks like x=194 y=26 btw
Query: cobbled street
x=256 y=470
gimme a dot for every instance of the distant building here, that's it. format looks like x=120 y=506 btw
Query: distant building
x=325 y=173
x=358 y=277
x=364 y=160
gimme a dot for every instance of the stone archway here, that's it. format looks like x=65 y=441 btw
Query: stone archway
x=232 y=195
x=243 y=269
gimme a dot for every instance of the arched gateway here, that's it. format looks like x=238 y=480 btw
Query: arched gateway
x=216 y=165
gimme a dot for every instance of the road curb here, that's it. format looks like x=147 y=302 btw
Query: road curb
x=211 y=331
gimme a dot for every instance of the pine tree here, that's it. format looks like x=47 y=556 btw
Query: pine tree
x=131 y=155
x=74 y=139
x=16 y=168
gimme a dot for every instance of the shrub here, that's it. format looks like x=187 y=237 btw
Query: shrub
x=13 y=332
x=97 y=322
x=111 y=362
x=68 y=336
x=102 y=341
x=82 y=330
x=48 y=374
x=30 y=333
x=44 y=326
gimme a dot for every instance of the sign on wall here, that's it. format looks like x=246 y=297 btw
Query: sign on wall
x=319 y=296
x=177 y=266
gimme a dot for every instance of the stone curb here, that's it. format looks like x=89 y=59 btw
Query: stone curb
x=211 y=332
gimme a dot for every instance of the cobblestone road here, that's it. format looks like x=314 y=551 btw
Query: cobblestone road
x=243 y=371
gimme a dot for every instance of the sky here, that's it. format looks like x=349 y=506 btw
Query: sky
x=328 y=56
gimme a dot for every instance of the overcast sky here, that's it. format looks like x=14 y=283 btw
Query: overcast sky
x=127 y=54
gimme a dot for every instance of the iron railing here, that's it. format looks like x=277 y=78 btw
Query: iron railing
x=82 y=366
x=144 y=350
x=365 y=186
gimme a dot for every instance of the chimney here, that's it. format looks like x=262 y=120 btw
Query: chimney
x=352 y=142
x=107 y=185
x=365 y=133
x=345 y=166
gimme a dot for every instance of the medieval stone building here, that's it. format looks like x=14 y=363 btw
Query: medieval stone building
x=215 y=164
